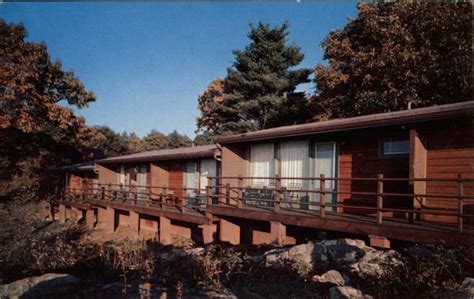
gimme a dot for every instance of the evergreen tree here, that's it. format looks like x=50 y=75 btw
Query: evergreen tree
x=259 y=90
x=176 y=140
x=155 y=140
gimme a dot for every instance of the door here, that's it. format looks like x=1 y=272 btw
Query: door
x=325 y=163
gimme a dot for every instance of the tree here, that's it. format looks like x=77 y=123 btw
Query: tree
x=155 y=140
x=109 y=143
x=394 y=54
x=176 y=140
x=135 y=143
x=214 y=116
x=35 y=132
x=259 y=87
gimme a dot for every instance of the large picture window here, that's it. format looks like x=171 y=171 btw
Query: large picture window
x=324 y=157
x=208 y=169
x=293 y=162
x=262 y=163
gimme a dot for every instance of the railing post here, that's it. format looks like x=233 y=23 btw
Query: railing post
x=102 y=195
x=277 y=193
x=209 y=192
x=240 y=185
x=379 y=198
x=227 y=193
x=109 y=193
x=121 y=192
x=460 y=202
x=322 y=195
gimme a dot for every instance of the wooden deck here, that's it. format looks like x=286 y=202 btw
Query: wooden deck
x=419 y=231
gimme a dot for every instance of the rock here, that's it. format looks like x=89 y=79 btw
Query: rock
x=339 y=251
x=468 y=286
x=346 y=292
x=47 y=285
x=331 y=277
x=377 y=264
x=419 y=252
x=195 y=251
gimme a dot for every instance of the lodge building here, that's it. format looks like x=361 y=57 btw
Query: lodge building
x=405 y=175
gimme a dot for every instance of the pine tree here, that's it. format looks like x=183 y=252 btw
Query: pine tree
x=259 y=90
x=257 y=85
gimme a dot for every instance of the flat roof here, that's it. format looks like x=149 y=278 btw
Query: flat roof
x=204 y=151
x=463 y=109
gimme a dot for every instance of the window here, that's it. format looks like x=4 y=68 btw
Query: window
x=393 y=146
x=324 y=157
x=262 y=163
x=293 y=161
x=208 y=169
x=190 y=177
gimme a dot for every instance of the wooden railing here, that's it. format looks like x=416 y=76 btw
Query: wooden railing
x=379 y=199
x=152 y=196
x=372 y=197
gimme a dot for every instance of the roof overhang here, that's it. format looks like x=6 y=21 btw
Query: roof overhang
x=458 y=110
x=164 y=155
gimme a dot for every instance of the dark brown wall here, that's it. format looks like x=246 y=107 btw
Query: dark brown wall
x=359 y=157
x=176 y=169
x=450 y=151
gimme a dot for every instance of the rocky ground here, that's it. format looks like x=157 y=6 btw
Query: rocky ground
x=43 y=259
x=340 y=268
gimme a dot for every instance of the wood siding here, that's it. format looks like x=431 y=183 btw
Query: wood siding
x=360 y=157
x=450 y=151
x=176 y=169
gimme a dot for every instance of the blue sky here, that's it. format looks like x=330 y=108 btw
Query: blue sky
x=148 y=62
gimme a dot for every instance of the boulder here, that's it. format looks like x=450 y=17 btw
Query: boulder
x=376 y=264
x=47 y=285
x=468 y=286
x=339 y=251
x=346 y=292
x=330 y=277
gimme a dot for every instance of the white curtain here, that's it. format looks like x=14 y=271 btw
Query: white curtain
x=261 y=163
x=293 y=159
x=190 y=177
x=324 y=154
x=208 y=168
x=141 y=175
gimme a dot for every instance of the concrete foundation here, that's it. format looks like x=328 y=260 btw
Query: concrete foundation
x=90 y=218
x=165 y=231
x=209 y=232
x=110 y=219
x=229 y=231
x=134 y=222
x=378 y=241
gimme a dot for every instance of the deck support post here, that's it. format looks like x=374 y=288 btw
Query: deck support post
x=229 y=232
x=278 y=233
x=110 y=219
x=90 y=218
x=379 y=241
x=135 y=222
x=76 y=214
x=208 y=232
x=165 y=231
x=62 y=213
